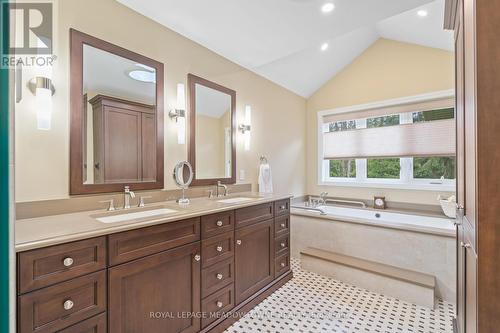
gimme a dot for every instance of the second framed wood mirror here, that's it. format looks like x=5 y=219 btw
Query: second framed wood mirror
x=212 y=132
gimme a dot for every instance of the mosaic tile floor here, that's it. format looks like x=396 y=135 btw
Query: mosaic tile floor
x=311 y=303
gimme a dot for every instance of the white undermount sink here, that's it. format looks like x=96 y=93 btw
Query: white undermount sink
x=236 y=200
x=135 y=215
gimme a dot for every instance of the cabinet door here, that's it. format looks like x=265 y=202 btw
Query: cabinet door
x=148 y=147
x=122 y=145
x=156 y=294
x=470 y=257
x=254 y=258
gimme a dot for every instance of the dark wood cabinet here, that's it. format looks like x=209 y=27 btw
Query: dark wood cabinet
x=124 y=140
x=477 y=55
x=254 y=258
x=62 y=305
x=97 y=324
x=157 y=293
x=177 y=277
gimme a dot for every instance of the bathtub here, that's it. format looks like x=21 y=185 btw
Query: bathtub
x=414 y=222
x=420 y=243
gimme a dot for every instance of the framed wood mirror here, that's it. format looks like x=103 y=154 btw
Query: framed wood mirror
x=212 y=132
x=116 y=118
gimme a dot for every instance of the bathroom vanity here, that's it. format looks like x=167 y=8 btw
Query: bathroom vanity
x=192 y=271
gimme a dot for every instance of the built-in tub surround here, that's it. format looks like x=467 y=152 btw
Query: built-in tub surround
x=419 y=243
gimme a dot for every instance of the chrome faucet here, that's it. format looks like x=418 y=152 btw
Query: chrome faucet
x=128 y=194
x=219 y=184
x=322 y=197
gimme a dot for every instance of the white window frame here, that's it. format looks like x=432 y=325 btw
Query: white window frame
x=406 y=180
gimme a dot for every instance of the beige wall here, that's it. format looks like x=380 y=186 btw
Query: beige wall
x=386 y=70
x=42 y=157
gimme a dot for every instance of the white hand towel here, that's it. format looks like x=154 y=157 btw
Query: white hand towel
x=265 y=179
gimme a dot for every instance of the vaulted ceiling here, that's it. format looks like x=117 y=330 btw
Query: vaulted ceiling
x=282 y=39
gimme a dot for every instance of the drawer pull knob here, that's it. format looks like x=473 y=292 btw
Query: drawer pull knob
x=219 y=248
x=282 y=244
x=219 y=304
x=238 y=242
x=282 y=264
x=219 y=276
x=197 y=257
x=68 y=304
x=68 y=262
x=282 y=225
x=282 y=207
x=219 y=223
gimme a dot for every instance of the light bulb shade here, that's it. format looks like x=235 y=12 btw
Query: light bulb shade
x=247 y=122
x=181 y=130
x=246 y=138
x=248 y=115
x=43 y=108
x=181 y=97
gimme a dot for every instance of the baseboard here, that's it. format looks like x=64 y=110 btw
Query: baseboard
x=241 y=309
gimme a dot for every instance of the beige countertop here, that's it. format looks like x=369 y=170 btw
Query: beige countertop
x=44 y=231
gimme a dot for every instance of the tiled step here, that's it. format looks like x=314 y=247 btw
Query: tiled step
x=414 y=287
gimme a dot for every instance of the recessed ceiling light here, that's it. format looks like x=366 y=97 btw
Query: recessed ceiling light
x=422 y=13
x=324 y=46
x=327 y=7
x=143 y=76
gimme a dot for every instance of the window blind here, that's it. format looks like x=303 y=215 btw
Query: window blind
x=430 y=138
x=389 y=110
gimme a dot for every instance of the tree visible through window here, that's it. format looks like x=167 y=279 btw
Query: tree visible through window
x=343 y=168
x=434 y=167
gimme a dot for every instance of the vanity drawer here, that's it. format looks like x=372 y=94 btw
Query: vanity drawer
x=216 y=224
x=282 y=245
x=281 y=265
x=129 y=245
x=251 y=215
x=282 y=207
x=217 y=248
x=47 y=266
x=54 y=308
x=217 y=276
x=217 y=304
x=281 y=225
x=97 y=324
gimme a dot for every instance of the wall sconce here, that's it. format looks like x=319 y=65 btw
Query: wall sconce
x=246 y=127
x=43 y=89
x=179 y=114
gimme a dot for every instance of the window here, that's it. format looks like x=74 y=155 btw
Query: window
x=383 y=168
x=379 y=147
x=342 y=168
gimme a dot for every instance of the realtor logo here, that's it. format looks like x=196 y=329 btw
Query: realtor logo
x=34 y=28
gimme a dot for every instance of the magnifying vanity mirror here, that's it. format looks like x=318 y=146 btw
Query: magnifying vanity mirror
x=183 y=176
x=116 y=118
x=212 y=132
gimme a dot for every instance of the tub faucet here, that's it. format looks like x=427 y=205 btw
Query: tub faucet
x=322 y=197
x=128 y=194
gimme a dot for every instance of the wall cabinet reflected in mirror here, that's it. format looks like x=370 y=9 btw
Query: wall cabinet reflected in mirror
x=212 y=126
x=116 y=118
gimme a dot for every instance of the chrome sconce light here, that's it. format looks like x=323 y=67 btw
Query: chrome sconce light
x=43 y=89
x=246 y=126
x=179 y=114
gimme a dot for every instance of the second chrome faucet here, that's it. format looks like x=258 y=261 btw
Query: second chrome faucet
x=128 y=195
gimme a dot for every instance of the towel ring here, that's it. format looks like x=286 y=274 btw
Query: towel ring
x=263 y=159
